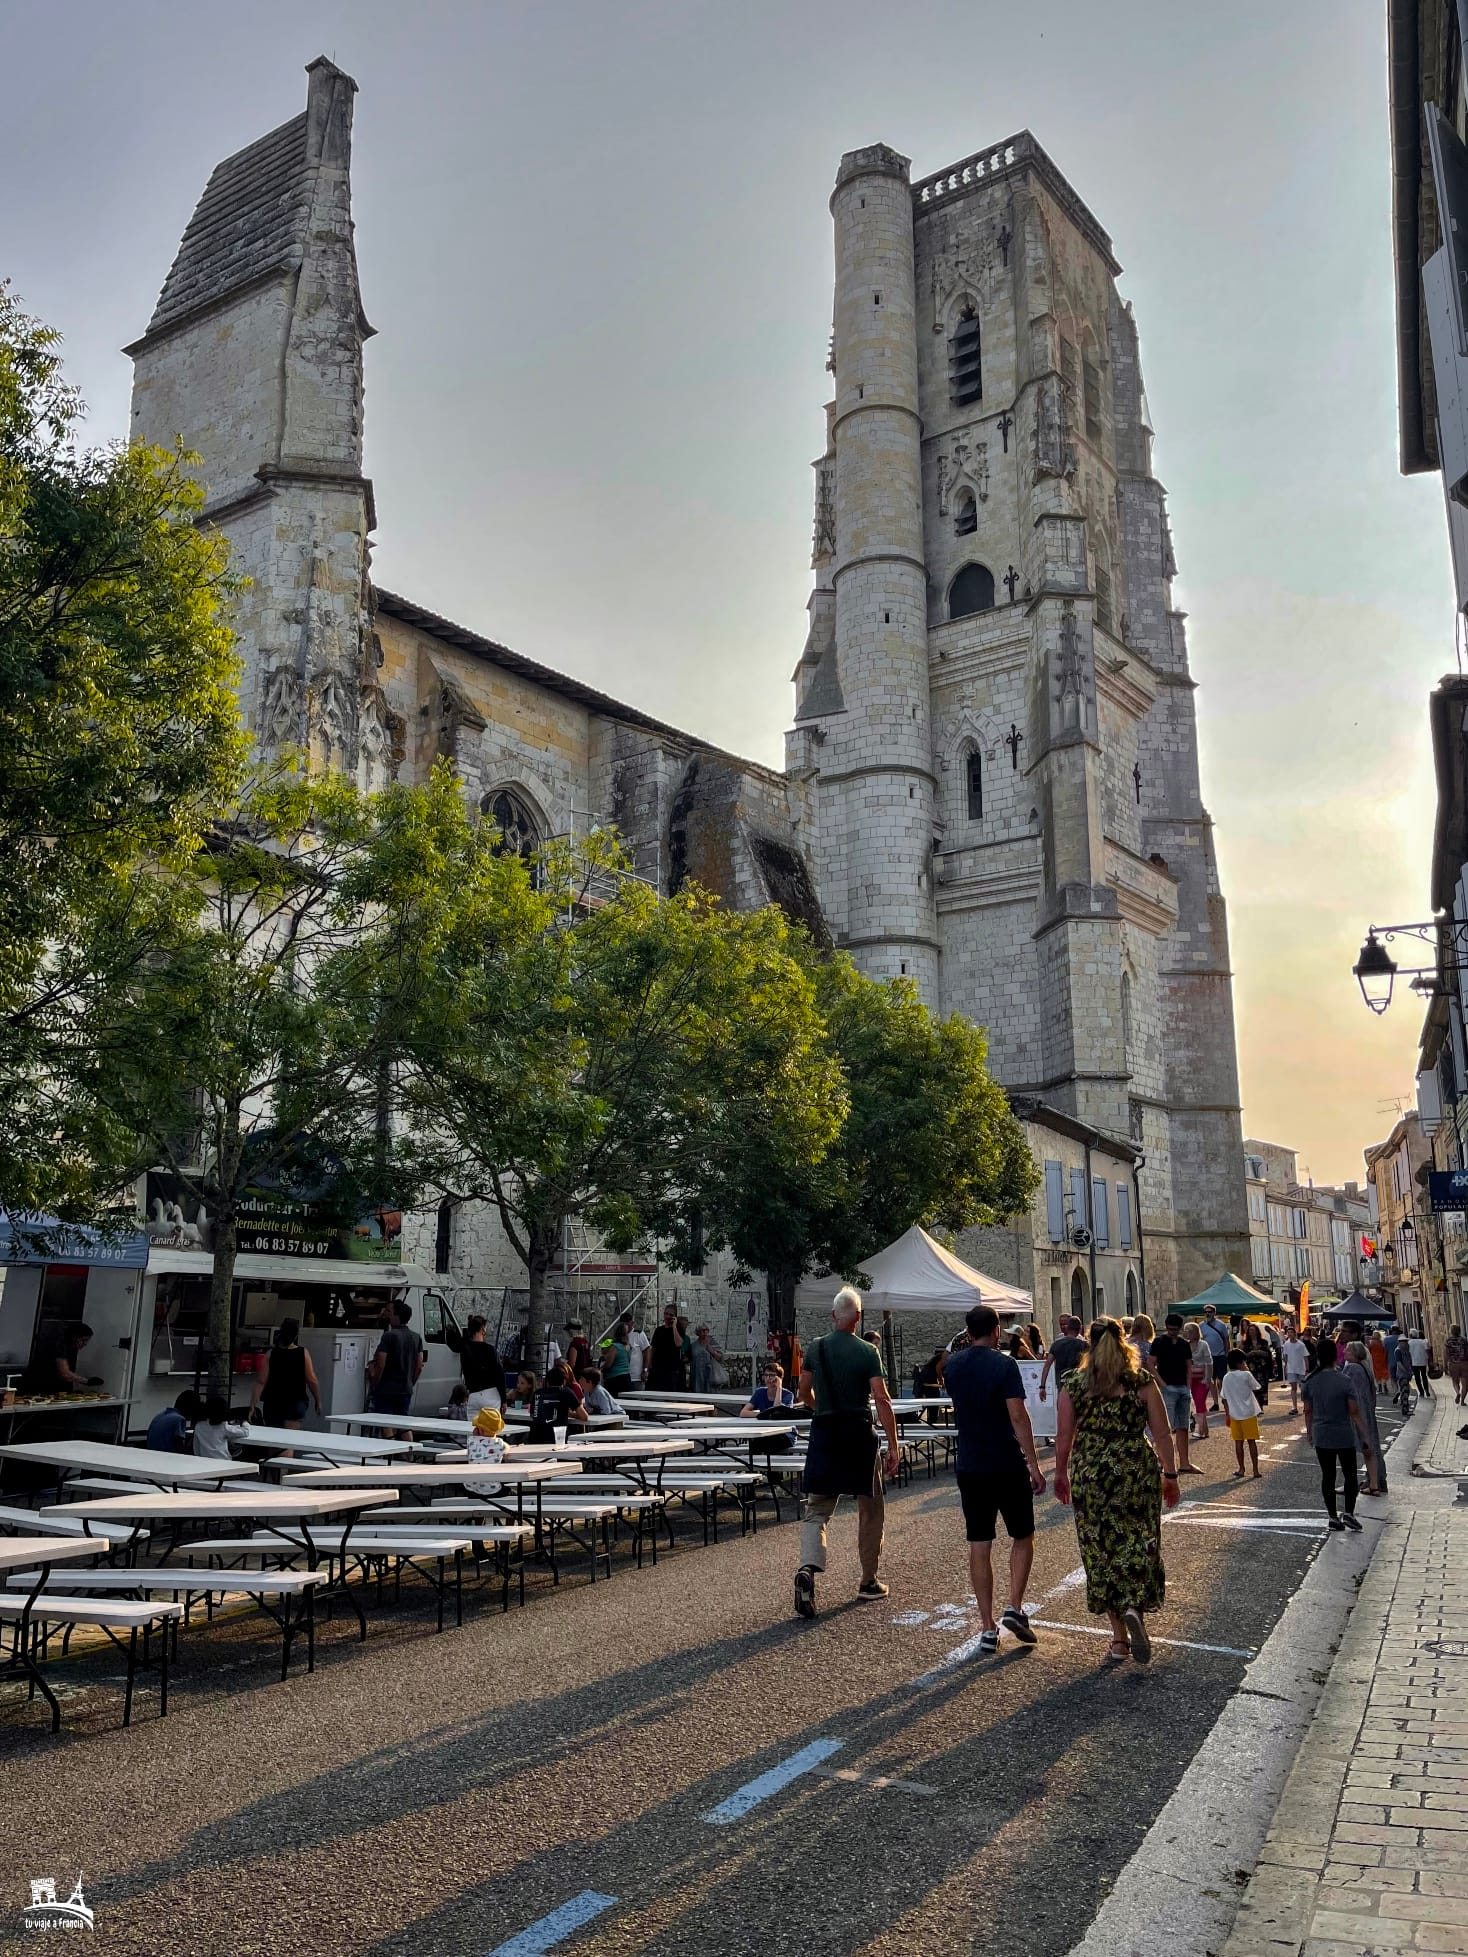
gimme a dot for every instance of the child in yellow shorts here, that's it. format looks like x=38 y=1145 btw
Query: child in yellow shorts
x=1241 y=1404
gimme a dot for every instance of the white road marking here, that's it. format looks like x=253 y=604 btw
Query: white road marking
x=753 y=1792
x=1176 y=1644
x=548 y=1931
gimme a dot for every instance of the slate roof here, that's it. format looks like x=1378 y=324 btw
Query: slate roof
x=250 y=220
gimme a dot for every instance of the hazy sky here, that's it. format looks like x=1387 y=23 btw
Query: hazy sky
x=595 y=244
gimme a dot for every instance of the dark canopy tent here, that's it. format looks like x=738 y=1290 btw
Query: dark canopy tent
x=1357 y=1306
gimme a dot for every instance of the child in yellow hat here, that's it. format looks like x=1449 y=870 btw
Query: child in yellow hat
x=486 y=1436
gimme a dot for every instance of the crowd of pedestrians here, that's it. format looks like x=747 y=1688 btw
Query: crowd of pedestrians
x=1131 y=1403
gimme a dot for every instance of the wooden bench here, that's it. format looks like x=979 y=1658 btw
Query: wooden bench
x=37 y=1619
x=185 y=1584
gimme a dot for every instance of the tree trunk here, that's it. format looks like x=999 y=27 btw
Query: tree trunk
x=542 y=1245
x=780 y=1295
x=221 y=1300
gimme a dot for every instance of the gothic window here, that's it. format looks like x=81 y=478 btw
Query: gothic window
x=1092 y=400
x=1131 y=1294
x=519 y=831
x=973 y=783
x=971 y=591
x=1126 y=1021
x=965 y=514
x=965 y=380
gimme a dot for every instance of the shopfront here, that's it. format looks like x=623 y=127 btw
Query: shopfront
x=56 y=1279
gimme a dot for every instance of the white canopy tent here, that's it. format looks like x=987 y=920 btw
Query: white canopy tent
x=917 y=1274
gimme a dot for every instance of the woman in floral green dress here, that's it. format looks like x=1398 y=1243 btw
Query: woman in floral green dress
x=1107 y=1411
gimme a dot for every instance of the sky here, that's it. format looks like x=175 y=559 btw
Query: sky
x=594 y=241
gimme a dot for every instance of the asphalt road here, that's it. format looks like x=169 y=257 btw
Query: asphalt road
x=427 y=1796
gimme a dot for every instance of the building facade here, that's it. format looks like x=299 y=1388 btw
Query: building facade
x=992 y=782
x=1407 y=1245
x=995 y=742
x=1301 y=1232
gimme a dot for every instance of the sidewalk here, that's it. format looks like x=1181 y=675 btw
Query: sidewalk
x=1368 y=1851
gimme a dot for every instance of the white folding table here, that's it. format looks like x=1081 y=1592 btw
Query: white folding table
x=471 y=1477
x=276 y=1510
x=40 y=1553
x=332 y=1448
x=144 y=1464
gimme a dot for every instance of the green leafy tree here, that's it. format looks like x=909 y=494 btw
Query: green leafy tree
x=258 y=1036
x=597 y=1066
x=119 y=739
x=929 y=1139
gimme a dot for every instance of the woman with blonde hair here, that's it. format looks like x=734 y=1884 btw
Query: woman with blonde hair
x=1141 y=1332
x=1108 y=1409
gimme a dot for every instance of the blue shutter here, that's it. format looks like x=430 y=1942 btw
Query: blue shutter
x=1100 y=1219
x=1080 y=1210
x=1124 y=1214
x=1054 y=1202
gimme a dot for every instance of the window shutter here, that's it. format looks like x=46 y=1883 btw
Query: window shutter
x=1124 y=1215
x=1099 y=1210
x=1080 y=1213
x=1054 y=1202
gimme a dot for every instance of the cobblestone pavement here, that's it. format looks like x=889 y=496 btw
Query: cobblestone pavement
x=1368 y=1852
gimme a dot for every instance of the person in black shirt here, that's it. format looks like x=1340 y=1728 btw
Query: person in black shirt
x=667 y=1370
x=1172 y=1360
x=479 y=1363
x=997 y=1471
x=554 y=1405
x=1067 y=1352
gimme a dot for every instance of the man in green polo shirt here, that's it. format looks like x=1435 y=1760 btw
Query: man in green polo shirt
x=841 y=1375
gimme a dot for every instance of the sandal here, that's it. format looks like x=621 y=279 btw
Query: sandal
x=1116 y=1654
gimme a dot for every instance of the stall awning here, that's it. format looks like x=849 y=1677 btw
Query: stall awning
x=346 y=1273
x=917 y=1274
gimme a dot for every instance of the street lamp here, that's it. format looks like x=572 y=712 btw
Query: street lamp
x=1376 y=972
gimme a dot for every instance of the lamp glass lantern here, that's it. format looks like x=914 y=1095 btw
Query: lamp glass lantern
x=1376 y=972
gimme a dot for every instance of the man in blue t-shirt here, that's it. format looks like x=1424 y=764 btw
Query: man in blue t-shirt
x=998 y=1473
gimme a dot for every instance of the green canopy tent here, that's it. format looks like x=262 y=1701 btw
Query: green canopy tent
x=1230 y=1298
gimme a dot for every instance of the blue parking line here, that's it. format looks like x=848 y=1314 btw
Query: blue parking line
x=544 y=1935
x=753 y=1792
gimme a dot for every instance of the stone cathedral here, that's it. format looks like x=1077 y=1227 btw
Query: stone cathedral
x=992 y=782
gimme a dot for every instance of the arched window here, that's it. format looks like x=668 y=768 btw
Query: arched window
x=1091 y=393
x=965 y=379
x=1132 y=1306
x=965 y=514
x=971 y=591
x=973 y=784
x=1077 y=1295
x=511 y=815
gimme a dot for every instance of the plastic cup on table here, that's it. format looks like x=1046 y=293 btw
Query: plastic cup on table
x=560 y=1436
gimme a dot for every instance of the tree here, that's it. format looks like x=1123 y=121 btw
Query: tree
x=254 y=1045
x=119 y=736
x=598 y=1065
x=929 y=1139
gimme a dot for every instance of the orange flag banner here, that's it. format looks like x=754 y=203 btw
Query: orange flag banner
x=1304 y=1304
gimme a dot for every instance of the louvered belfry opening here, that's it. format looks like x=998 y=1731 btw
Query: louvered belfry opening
x=965 y=382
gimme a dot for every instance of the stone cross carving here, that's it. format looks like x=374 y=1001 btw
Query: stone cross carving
x=1011 y=579
x=1006 y=422
x=1012 y=741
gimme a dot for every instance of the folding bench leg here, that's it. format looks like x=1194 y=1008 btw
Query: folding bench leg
x=310 y=1627
x=459 y=1586
x=163 y=1675
x=286 y=1635
x=132 y=1667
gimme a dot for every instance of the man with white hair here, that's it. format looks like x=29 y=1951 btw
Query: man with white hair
x=841 y=1375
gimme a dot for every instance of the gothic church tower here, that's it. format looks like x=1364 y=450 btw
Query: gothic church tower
x=995 y=742
x=253 y=359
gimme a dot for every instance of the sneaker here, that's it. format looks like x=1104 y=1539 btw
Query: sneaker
x=1136 y=1636
x=1018 y=1625
x=1350 y=1522
x=988 y=1643
x=873 y=1592
x=805 y=1592
x=1336 y=1523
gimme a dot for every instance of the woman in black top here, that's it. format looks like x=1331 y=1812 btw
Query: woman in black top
x=288 y=1384
x=479 y=1363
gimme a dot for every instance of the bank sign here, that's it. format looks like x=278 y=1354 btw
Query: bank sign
x=1447 y=1189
